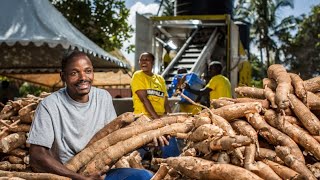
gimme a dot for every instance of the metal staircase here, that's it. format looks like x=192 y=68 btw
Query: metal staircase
x=192 y=55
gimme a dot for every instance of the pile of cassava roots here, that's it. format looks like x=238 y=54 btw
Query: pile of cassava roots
x=265 y=133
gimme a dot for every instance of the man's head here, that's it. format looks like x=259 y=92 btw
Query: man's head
x=146 y=62
x=182 y=70
x=215 y=68
x=77 y=73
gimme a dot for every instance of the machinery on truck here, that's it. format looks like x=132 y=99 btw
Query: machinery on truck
x=199 y=31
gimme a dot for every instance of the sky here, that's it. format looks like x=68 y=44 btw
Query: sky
x=149 y=6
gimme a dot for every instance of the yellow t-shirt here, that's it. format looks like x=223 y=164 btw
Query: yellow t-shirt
x=156 y=92
x=220 y=86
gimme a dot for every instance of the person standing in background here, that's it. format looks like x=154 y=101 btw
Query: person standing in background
x=218 y=86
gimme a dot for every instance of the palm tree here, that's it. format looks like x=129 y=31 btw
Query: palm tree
x=262 y=15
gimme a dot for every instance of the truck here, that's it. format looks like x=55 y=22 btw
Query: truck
x=199 y=32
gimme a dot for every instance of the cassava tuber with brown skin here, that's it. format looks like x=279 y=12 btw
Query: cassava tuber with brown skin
x=223 y=143
x=249 y=156
x=134 y=160
x=298 y=85
x=7 y=166
x=26 y=109
x=18 y=152
x=228 y=131
x=204 y=132
x=263 y=171
x=20 y=128
x=272 y=84
x=280 y=75
x=27 y=118
x=111 y=154
x=117 y=123
x=283 y=171
x=268 y=154
x=244 y=128
x=223 y=158
x=26 y=175
x=200 y=120
x=15 y=160
x=315 y=169
x=235 y=111
x=285 y=154
x=313 y=84
x=161 y=173
x=197 y=168
x=313 y=101
x=223 y=101
x=300 y=136
x=217 y=103
x=306 y=117
x=271 y=96
x=273 y=136
x=251 y=92
x=82 y=158
x=12 y=141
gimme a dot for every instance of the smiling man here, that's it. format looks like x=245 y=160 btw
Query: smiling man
x=66 y=121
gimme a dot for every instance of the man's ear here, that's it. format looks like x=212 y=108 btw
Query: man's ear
x=62 y=76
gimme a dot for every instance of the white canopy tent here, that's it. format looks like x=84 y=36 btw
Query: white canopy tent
x=33 y=38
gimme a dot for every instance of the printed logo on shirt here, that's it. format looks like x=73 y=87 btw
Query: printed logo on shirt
x=155 y=92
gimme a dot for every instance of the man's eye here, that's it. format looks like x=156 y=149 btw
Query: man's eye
x=73 y=73
x=89 y=71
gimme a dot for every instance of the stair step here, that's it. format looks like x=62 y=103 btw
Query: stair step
x=196 y=46
x=187 y=60
x=190 y=56
x=193 y=50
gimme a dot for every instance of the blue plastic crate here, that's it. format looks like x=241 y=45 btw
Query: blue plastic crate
x=194 y=82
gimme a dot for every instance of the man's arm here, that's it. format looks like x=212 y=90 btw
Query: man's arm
x=166 y=105
x=201 y=92
x=142 y=94
x=42 y=161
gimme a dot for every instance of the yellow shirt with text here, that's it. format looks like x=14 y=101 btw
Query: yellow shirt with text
x=221 y=87
x=156 y=92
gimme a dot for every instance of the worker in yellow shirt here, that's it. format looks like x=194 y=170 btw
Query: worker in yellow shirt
x=149 y=92
x=218 y=86
x=150 y=97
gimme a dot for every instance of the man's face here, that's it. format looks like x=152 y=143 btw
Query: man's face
x=78 y=76
x=146 y=63
x=213 y=70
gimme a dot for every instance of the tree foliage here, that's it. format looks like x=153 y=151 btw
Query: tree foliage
x=102 y=21
x=262 y=14
x=266 y=30
x=302 y=51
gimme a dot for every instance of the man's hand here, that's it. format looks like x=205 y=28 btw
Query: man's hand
x=160 y=141
x=186 y=86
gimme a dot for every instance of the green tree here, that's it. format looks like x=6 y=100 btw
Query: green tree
x=102 y=21
x=262 y=14
x=265 y=31
x=302 y=50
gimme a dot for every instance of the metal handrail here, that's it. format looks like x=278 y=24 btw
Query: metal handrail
x=199 y=66
x=179 y=54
